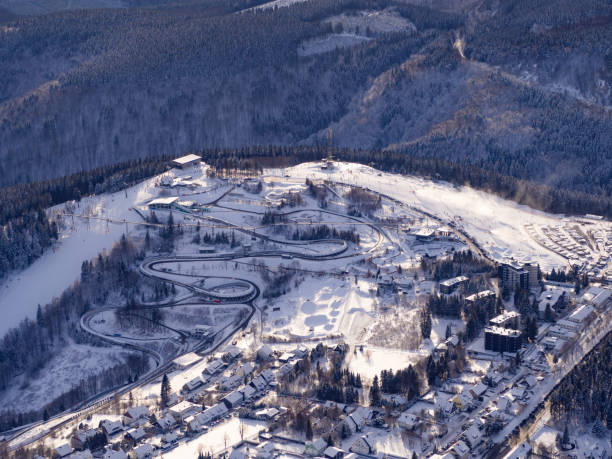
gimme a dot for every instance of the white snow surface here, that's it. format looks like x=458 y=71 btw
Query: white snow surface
x=60 y=266
x=496 y=223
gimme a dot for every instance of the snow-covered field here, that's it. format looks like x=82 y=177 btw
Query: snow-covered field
x=314 y=309
x=373 y=360
x=495 y=223
x=80 y=240
x=75 y=362
x=59 y=267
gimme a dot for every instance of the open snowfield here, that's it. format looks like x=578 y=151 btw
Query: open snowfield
x=373 y=360
x=318 y=310
x=75 y=362
x=497 y=224
x=394 y=442
x=80 y=239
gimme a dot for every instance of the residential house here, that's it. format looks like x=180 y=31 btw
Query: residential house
x=267 y=414
x=144 y=451
x=233 y=399
x=407 y=420
x=215 y=366
x=166 y=423
x=315 y=448
x=183 y=410
x=134 y=414
x=478 y=390
x=135 y=435
x=334 y=453
x=212 y=414
x=193 y=384
x=230 y=382
x=460 y=450
x=63 y=450
x=363 y=446
x=112 y=454
x=265 y=352
x=111 y=428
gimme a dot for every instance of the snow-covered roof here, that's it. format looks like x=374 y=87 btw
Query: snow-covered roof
x=144 y=450
x=137 y=433
x=195 y=382
x=234 y=398
x=230 y=382
x=167 y=421
x=212 y=413
x=332 y=451
x=183 y=407
x=473 y=435
x=246 y=369
x=407 y=420
x=479 y=295
x=112 y=454
x=478 y=389
x=233 y=351
x=581 y=313
x=163 y=201
x=504 y=317
x=63 y=450
x=265 y=351
x=136 y=412
x=268 y=375
x=248 y=391
x=187 y=159
x=461 y=448
x=597 y=295
x=111 y=427
x=549 y=297
x=214 y=366
x=268 y=413
x=454 y=281
x=259 y=383
x=530 y=380
x=187 y=359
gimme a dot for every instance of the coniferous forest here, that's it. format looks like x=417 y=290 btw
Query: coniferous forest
x=586 y=392
x=522 y=90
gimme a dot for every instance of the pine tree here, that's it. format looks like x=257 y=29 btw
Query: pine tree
x=39 y=319
x=375 y=392
x=426 y=324
x=165 y=391
x=548 y=314
x=577 y=286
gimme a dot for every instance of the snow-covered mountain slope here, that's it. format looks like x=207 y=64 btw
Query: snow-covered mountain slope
x=496 y=224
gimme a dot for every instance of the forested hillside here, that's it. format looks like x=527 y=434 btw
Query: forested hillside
x=520 y=88
x=586 y=392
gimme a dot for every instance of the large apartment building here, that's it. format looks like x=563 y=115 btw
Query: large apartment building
x=525 y=276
